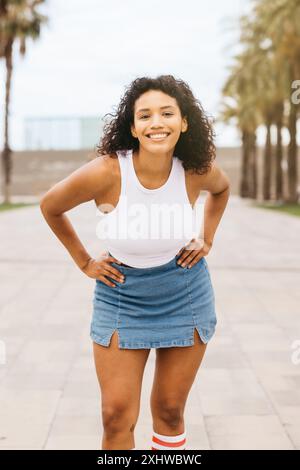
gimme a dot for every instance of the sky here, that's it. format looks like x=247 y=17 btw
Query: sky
x=90 y=51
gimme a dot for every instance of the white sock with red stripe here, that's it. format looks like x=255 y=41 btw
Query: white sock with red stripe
x=161 y=442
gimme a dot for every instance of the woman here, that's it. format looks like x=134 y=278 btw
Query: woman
x=151 y=290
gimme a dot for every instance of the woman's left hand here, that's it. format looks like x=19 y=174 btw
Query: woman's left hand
x=191 y=253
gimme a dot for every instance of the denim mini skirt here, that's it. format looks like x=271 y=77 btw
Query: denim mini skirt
x=155 y=307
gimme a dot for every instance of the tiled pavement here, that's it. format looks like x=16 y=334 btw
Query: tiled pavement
x=246 y=393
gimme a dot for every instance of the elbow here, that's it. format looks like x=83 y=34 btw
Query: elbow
x=42 y=204
x=224 y=191
x=49 y=207
x=227 y=187
x=46 y=205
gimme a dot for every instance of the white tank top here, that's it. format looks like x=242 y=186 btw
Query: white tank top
x=149 y=226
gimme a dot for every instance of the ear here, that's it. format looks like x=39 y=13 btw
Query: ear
x=133 y=131
x=184 y=125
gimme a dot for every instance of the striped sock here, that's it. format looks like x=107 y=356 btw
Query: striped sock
x=161 y=442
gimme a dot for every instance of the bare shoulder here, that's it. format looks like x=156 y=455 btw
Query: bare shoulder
x=214 y=180
x=86 y=183
x=101 y=171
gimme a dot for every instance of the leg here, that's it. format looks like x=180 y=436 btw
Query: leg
x=175 y=371
x=120 y=373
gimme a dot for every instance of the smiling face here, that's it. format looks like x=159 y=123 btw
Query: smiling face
x=157 y=121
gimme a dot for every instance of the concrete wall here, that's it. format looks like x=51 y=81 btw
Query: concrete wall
x=34 y=172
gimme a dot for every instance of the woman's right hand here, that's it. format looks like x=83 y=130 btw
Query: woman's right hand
x=101 y=267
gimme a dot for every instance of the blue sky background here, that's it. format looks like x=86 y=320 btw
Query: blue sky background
x=90 y=51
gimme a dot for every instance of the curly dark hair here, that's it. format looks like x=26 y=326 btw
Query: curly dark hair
x=195 y=147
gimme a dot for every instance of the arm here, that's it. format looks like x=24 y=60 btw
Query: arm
x=217 y=185
x=86 y=183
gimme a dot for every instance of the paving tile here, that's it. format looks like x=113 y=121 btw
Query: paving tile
x=246 y=392
x=247 y=432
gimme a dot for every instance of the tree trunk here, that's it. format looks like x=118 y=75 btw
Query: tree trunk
x=267 y=164
x=244 y=185
x=292 y=156
x=252 y=166
x=279 y=153
x=6 y=154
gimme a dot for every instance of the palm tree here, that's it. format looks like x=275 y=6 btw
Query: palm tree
x=19 y=20
x=261 y=79
x=271 y=86
x=281 y=20
x=237 y=107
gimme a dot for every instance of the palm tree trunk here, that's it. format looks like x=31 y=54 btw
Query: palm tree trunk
x=244 y=185
x=292 y=155
x=279 y=153
x=252 y=166
x=6 y=154
x=267 y=164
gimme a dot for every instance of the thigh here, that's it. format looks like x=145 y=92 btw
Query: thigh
x=175 y=371
x=119 y=372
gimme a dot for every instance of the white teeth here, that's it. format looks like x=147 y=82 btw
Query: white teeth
x=157 y=136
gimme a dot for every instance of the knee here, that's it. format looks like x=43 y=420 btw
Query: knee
x=170 y=413
x=117 y=417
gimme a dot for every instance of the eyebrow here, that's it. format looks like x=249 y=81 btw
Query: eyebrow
x=148 y=109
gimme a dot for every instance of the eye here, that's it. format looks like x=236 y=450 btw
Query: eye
x=145 y=116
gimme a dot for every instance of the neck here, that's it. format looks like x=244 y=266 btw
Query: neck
x=155 y=166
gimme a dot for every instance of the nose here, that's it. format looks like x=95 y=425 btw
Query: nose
x=155 y=121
